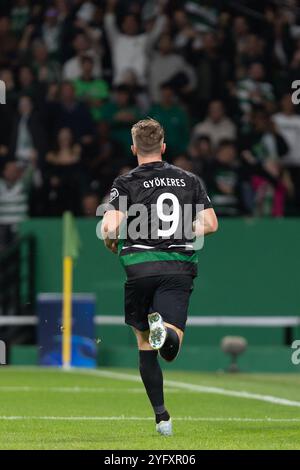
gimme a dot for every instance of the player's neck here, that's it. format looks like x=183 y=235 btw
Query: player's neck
x=149 y=159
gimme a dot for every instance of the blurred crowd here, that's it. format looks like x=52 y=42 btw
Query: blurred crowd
x=217 y=74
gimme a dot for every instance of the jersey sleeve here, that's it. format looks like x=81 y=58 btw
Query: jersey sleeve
x=119 y=196
x=201 y=197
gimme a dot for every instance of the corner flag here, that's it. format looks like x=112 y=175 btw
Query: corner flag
x=71 y=243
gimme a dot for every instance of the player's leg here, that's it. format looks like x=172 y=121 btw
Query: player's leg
x=152 y=378
x=138 y=299
x=167 y=324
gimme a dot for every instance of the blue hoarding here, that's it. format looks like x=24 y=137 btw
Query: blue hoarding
x=50 y=330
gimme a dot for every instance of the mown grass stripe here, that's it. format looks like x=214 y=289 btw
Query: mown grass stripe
x=148 y=418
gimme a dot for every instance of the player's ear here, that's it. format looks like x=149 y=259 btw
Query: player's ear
x=134 y=150
x=163 y=148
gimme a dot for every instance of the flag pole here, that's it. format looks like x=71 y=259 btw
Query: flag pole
x=71 y=244
x=67 y=311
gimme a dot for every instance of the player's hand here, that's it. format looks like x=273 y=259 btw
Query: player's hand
x=111 y=245
x=114 y=247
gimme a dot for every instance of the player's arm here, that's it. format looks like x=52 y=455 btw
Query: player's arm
x=115 y=214
x=205 y=223
x=110 y=229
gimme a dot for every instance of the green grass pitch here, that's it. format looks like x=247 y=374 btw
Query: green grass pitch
x=106 y=409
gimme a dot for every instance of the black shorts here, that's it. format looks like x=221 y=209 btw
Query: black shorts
x=167 y=295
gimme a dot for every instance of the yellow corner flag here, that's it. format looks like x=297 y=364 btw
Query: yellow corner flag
x=71 y=243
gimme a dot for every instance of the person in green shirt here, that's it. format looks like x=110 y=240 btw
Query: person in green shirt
x=91 y=90
x=121 y=113
x=174 y=120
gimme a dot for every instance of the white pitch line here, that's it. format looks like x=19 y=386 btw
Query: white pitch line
x=194 y=387
x=178 y=385
x=139 y=418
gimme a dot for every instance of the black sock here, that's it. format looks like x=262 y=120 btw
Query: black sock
x=152 y=378
x=171 y=347
x=162 y=417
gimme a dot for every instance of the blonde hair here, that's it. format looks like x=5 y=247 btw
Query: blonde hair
x=148 y=136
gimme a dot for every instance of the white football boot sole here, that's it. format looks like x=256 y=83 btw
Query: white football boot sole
x=158 y=332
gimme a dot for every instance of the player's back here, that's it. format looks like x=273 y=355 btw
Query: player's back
x=161 y=202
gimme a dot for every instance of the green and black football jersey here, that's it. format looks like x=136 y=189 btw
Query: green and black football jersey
x=161 y=202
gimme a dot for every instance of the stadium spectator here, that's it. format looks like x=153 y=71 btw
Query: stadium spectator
x=130 y=48
x=203 y=15
x=90 y=202
x=217 y=126
x=15 y=185
x=182 y=161
x=185 y=35
x=104 y=160
x=46 y=69
x=29 y=86
x=28 y=139
x=278 y=38
x=253 y=90
x=263 y=139
x=252 y=52
x=19 y=16
x=224 y=180
x=263 y=147
x=69 y=112
x=121 y=113
x=93 y=91
x=240 y=32
x=83 y=46
x=201 y=155
x=288 y=124
x=64 y=180
x=51 y=31
x=8 y=42
x=213 y=70
x=140 y=92
x=174 y=120
x=165 y=66
x=67 y=152
x=89 y=19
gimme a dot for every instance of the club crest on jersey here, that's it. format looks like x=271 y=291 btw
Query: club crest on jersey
x=113 y=194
